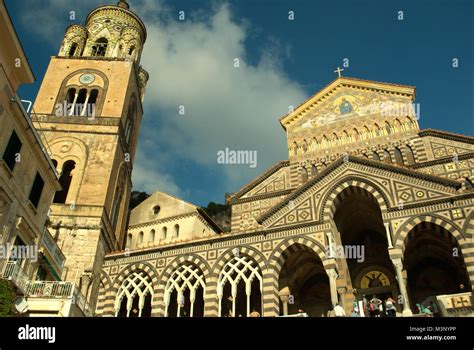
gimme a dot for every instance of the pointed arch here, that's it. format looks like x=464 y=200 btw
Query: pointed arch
x=398 y=156
x=295 y=148
x=332 y=199
x=410 y=155
x=304 y=146
x=137 y=288
x=386 y=156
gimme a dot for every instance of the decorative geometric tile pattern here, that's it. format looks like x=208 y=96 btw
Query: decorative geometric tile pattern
x=442 y=150
x=299 y=214
x=409 y=193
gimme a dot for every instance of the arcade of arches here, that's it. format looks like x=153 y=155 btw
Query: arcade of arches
x=432 y=264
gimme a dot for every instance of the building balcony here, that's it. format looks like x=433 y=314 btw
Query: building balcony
x=47 y=298
x=44 y=291
x=14 y=272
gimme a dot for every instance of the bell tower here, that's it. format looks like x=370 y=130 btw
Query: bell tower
x=88 y=112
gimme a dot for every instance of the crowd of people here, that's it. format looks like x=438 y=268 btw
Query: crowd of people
x=375 y=307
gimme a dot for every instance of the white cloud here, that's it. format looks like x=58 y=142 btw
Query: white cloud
x=150 y=180
x=191 y=63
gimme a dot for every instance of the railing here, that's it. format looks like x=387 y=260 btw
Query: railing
x=51 y=289
x=45 y=289
x=66 y=290
x=13 y=272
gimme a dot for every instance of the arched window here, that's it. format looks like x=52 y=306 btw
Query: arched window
x=305 y=146
x=295 y=148
x=131 y=51
x=65 y=181
x=239 y=287
x=375 y=156
x=346 y=137
x=129 y=240
x=314 y=170
x=116 y=206
x=70 y=96
x=55 y=162
x=324 y=142
x=184 y=292
x=81 y=98
x=304 y=174
x=356 y=135
x=398 y=156
x=99 y=49
x=378 y=131
x=140 y=237
x=398 y=125
x=386 y=156
x=367 y=133
x=388 y=129
x=410 y=155
x=151 y=237
x=93 y=96
x=176 y=231
x=72 y=50
x=134 y=296
x=164 y=232
x=408 y=124
x=314 y=144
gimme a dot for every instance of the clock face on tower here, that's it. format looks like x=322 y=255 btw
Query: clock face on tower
x=87 y=78
x=374 y=279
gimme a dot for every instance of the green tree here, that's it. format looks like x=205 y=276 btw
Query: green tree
x=6 y=299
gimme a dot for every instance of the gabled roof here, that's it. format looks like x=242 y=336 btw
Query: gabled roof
x=353 y=159
x=259 y=179
x=170 y=207
x=345 y=81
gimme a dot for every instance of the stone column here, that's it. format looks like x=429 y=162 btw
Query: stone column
x=332 y=273
x=342 y=295
x=398 y=264
x=284 y=295
x=389 y=236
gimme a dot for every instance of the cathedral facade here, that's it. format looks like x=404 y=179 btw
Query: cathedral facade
x=366 y=204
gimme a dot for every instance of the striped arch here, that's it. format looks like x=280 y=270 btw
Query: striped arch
x=289 y=246
x=105 y=301
x=468 y=227
x=271 y=301
x=402 y=235
x=442 y=225
x=168 y=271
x=352 y=185
x=243 y=250
x=140 y=266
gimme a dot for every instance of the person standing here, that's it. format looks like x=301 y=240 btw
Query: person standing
x=355 y=310
x=390 y=307
x=374 y=306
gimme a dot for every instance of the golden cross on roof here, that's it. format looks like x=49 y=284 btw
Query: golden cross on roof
x=338 y=71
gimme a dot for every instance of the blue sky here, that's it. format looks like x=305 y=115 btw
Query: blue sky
x=282 y=63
